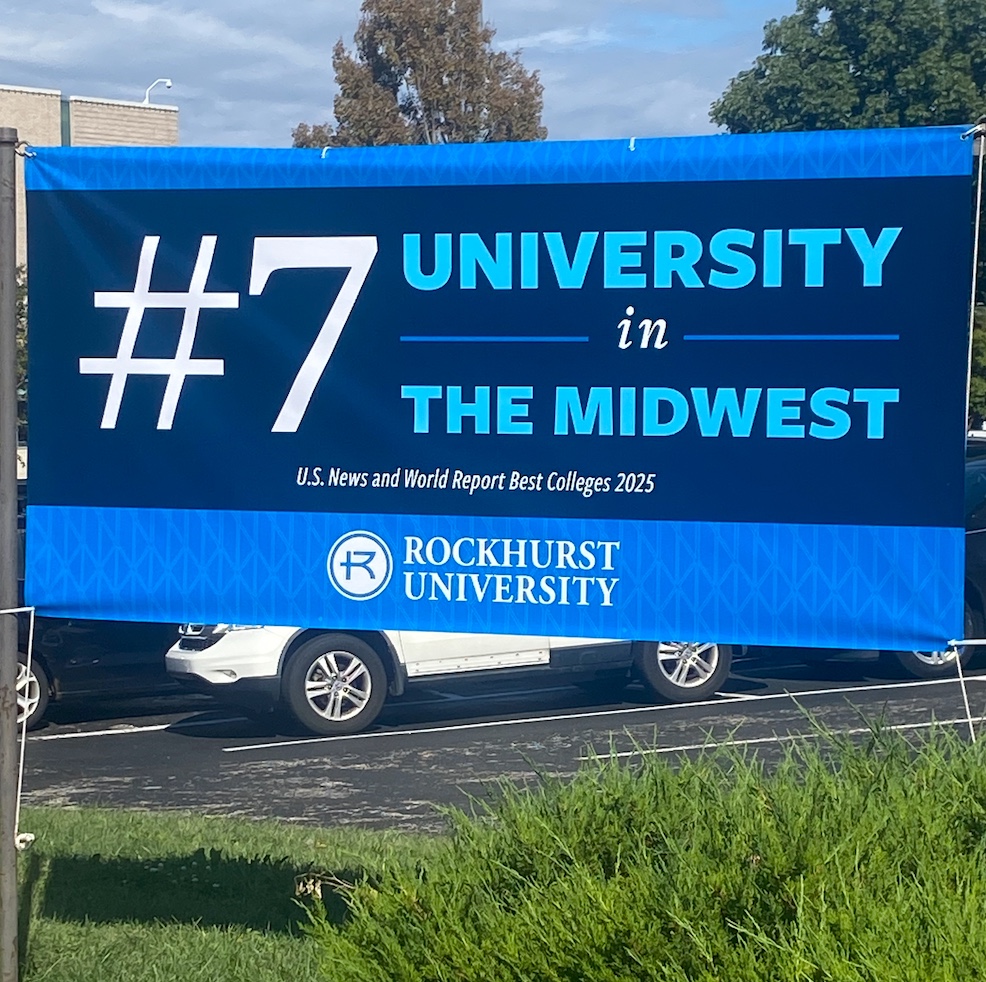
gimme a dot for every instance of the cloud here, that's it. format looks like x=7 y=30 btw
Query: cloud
x=632 y=67
x=204 y=32
x=27 y=49
x=627 y=98
x=561 y=37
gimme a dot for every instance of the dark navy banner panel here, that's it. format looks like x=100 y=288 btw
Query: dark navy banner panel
x=707 y=388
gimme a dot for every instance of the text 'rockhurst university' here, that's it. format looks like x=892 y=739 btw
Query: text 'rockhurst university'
x=469 y=569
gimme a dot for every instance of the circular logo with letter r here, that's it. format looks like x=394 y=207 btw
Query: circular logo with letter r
x=360 y=565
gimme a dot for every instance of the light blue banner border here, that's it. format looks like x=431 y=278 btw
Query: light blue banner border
x=770 y=584
x=920 y=152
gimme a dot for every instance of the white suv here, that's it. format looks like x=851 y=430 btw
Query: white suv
x=334 y=682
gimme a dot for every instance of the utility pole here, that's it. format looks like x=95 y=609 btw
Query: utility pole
x=8 y=557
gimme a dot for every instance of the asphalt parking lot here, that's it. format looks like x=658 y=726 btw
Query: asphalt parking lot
x=450 y=746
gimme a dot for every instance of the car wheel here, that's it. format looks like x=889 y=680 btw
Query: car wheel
x=682 y=671
x=937 y=664
x=335 y=684
x=33 y=692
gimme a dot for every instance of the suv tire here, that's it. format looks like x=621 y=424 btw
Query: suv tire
x=936 y=664
x=679 y=671
x=33 y=691
x=334 y=685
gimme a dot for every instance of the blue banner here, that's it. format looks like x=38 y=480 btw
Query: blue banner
x=707 y=388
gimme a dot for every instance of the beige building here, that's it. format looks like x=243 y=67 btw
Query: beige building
x=46 y=118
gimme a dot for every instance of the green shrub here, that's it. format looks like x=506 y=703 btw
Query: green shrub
x=842 y=863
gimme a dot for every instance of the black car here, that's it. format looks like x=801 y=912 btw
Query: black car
x=935 y=664
x=89 y=659
x=85 y=659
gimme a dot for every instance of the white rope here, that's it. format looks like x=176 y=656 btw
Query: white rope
x=22 y=839
x=965 y=694
x=978 y=132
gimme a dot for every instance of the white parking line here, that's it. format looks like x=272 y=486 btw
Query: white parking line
x=128 y=730
x=723 y=700
x=459 y=726
x=785 y=738
x=876 y=687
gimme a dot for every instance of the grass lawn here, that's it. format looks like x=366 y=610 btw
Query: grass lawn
x=115 y=896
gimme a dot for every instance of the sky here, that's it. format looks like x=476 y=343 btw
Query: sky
x=246 y=72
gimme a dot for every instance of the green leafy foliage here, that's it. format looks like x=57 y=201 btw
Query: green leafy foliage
x=977 y=388
x=850 y=64
x=848 y=863
x=424 y=71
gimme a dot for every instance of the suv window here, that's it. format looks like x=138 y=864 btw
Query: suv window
x=975 y=495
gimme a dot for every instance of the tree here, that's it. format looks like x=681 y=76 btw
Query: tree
x=424 y=71
x=849 y=64
x=977 y=383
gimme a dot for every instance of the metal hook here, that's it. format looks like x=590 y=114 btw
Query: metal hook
x=633 y=141
x=23 y=149
x=324 y=149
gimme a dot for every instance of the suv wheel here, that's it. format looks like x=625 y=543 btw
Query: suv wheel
x=33 y=689
x=335 y=684
x=937 y=664
x=682 y=671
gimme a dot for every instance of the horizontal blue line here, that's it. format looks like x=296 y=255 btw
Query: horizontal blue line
x=791 y=337
x=490 y=337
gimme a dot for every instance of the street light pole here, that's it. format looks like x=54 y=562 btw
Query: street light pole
x=8 y=558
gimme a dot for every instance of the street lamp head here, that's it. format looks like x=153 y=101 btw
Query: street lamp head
x=157 y=81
